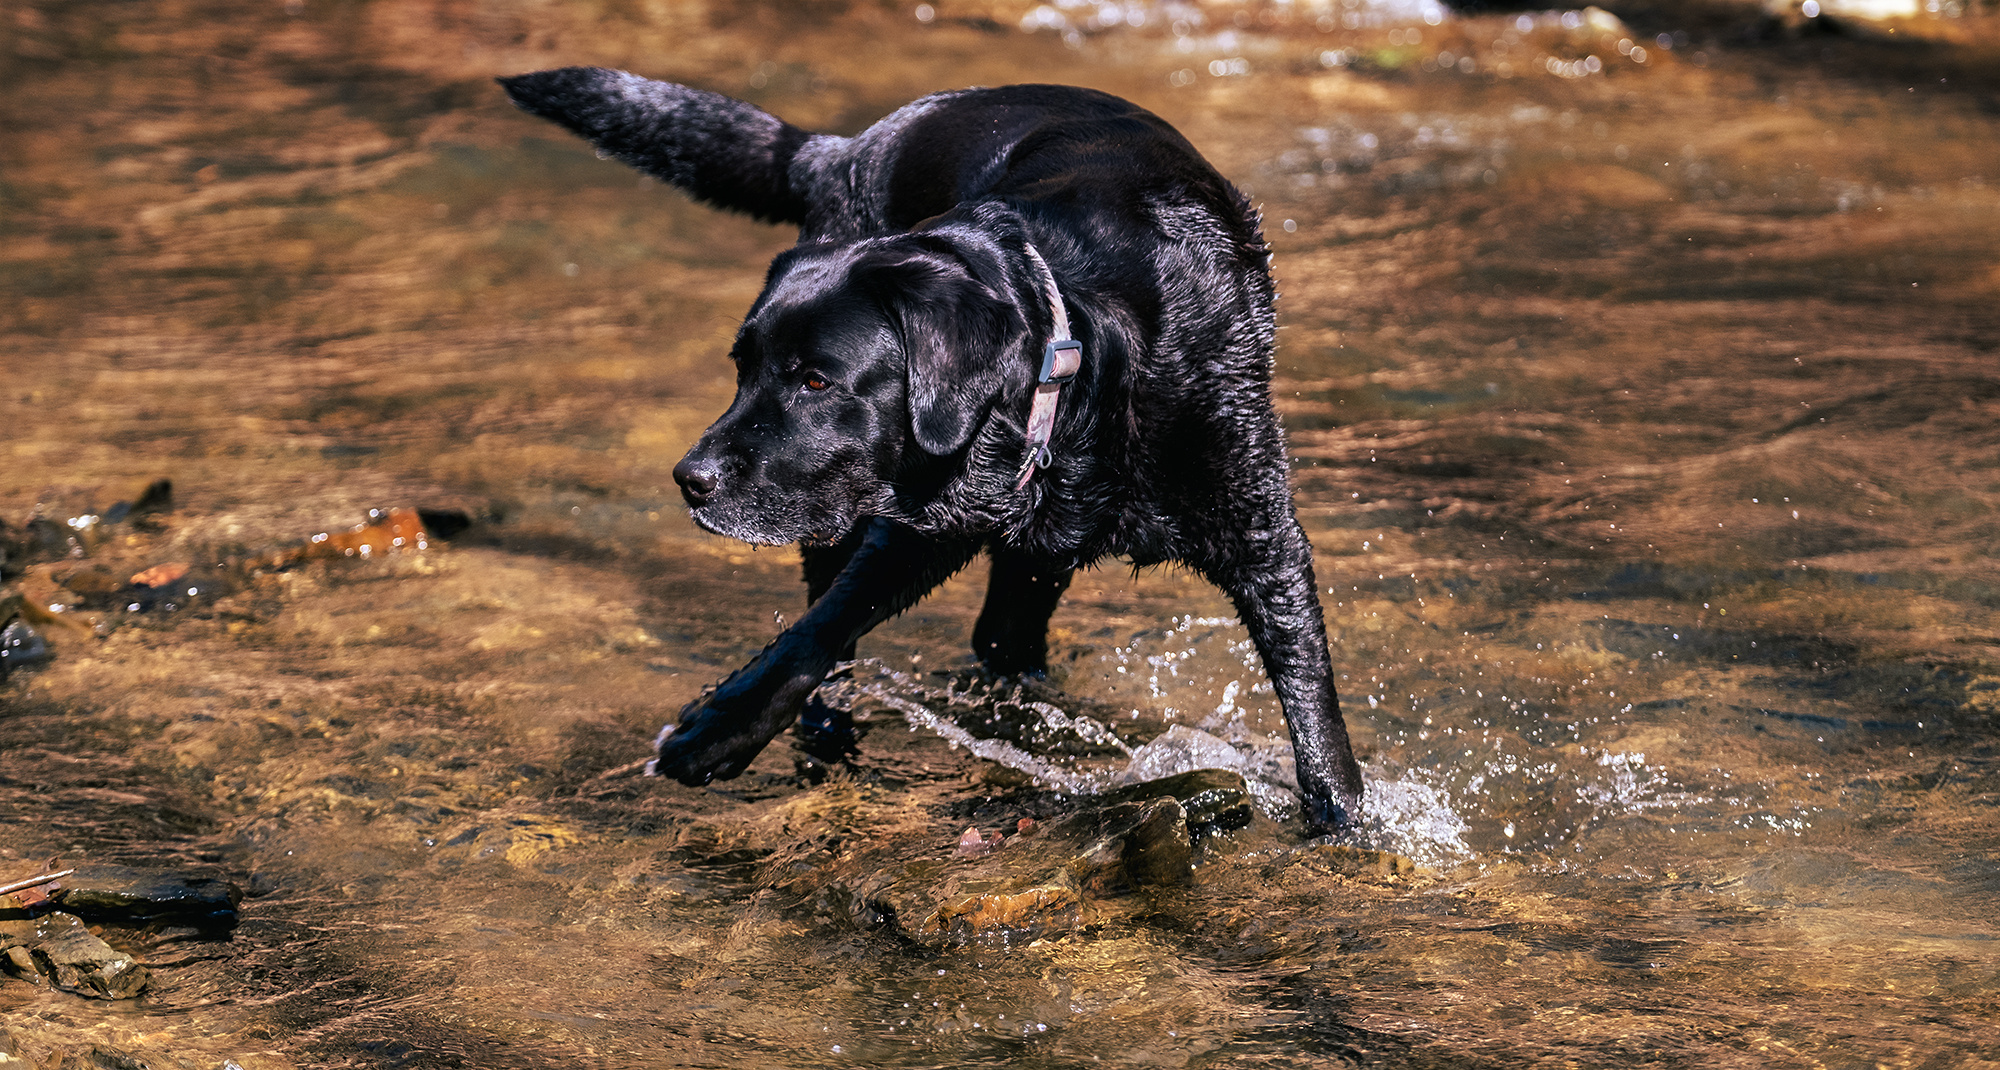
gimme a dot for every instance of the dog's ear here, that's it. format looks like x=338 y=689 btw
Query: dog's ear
x=958 y=335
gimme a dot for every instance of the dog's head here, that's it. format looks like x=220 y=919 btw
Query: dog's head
x=862 y=373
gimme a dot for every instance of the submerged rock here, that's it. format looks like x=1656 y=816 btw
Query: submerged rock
x=1216 y=800
x=20 y=645
x=1349 y=861
x=1141 y=845
x=89 y=582
x=1035 y=911
x=388 y=531
x=116 y=893
x=519 y=839
x=56 y=949
x=1052 y=876
x=44 y=538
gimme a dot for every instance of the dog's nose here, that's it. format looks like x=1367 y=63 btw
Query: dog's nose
x=698 y=480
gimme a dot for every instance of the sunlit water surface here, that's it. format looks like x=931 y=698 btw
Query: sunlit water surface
x=1641 y=382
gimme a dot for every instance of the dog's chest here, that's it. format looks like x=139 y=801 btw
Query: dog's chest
x=1144 y=538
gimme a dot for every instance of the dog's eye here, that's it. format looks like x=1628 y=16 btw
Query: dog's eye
x=815 y=381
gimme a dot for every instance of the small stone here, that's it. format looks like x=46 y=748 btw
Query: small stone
x=160 y=575
x=45 y=538
x=971 y=844
x=25 y=902
x=89 y=582
x=389 y=531
x=20 y=645
x=21 y=964
x=58 y=950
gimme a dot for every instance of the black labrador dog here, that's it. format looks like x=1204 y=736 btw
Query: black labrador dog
x=1031 y=320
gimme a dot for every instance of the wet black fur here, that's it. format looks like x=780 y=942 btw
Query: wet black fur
x=884 y=375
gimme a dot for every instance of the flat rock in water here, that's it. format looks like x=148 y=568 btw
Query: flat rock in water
x=117 y=893
x=1131 y=846
x=1034 y=912
x=1215 y=799
x=1075 y=869
x=56 y=949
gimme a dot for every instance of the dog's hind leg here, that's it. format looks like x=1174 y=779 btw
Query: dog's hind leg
x=1270 y=579
x=720 y=733
x=1012 y=634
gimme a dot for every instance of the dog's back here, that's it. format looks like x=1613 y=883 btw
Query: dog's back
x=1089 y=152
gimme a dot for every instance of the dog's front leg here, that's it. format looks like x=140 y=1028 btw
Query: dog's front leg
x=1270 y=579
x=719 y=734
x=826 y=732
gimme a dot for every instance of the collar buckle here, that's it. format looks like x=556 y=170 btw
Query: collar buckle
x=1061 y=360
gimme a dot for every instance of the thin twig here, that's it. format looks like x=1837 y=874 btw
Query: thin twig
x=628 y=769
x=602 y=784
x=35 y=881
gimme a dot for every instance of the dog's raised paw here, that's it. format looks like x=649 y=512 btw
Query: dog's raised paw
x=721 y=733
x=695 y=755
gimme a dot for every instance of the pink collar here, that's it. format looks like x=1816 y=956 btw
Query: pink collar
x=1061 y=359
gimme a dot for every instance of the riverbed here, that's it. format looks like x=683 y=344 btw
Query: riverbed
x=1640 y=377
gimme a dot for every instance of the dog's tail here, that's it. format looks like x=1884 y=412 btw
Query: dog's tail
x=723 y=151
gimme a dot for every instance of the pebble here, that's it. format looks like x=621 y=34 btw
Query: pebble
x=56 y=949
x=20 y=645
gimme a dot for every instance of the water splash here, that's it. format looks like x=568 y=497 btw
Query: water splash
x=1401 y=815
x=1426 y=814
x=920 y=717
x=1415 y=820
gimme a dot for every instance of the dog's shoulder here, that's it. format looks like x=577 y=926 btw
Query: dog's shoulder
x=1017 y=142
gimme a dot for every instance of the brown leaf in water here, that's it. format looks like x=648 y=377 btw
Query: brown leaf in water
x=33 y=891
x=396 y=531
x=160 y=575
x=30 y=898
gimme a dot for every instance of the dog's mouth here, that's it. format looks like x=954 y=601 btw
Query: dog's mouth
x=717 y=521
x=705 y=518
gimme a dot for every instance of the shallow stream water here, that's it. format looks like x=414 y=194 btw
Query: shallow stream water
x=1644 y=401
